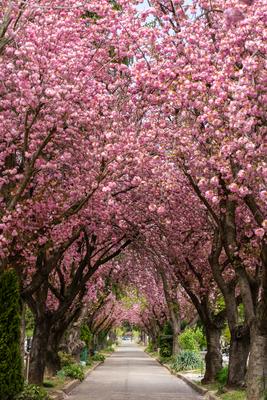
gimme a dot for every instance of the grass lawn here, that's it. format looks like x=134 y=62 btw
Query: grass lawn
x=234 y=395
x=229 y=395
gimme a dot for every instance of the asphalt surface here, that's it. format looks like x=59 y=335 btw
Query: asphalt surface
x=130 y=374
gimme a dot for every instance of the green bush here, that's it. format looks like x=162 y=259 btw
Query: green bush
x=32 y=392
x=109 y=349
x=222 y=375
x=98 y=357
x=149 y=348
x=89 y=362
x=191 y=339
x=74 y=371
x=187 y=360
x=86 y=335
x=66 y=359
x=11 y=378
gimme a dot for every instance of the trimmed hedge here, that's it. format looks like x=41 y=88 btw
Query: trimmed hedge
x=11 y=377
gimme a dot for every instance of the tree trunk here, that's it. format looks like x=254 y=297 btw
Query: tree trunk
x=213 y=357
x=52 y=357
x=52 y=361
x=257 y=368
x=38 y=351
x=238 y=356
x=175 y=344
x=153 y=342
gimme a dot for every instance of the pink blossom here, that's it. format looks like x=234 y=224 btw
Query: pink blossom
x=152 y=207
x=247 y=2
x=263 y=195
x=233 y=15
x=161 y=210
x=136 y=180
x=214 y=181
x=241 y=174
x=259 y=232
x=233 y=187
x=243 y=191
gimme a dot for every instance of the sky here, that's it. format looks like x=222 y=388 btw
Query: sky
x=143 y=6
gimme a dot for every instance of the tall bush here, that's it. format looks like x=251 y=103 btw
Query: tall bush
x=191 y=339
x=11 y=377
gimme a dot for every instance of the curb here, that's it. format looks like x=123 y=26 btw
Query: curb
x=194 y=385
x=68 y=388
x=205 y=392
x=76 y=382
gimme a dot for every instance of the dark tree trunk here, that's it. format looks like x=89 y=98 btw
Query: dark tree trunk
x=238 y=356
x=52 y=357
x=52 y=361
x=153 y=342
x=213 y=357
x=39 y=351
x=256 y=378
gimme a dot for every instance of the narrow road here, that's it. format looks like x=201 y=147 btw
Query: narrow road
x=130 y=374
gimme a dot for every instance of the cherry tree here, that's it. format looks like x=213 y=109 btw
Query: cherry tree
x=204 y=89
x=68 y=151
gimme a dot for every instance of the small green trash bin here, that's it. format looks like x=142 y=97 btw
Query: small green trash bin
x=84 y=354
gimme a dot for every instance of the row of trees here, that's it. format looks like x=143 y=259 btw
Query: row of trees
x=138 y=140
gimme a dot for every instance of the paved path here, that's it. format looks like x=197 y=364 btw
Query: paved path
x=130 y=374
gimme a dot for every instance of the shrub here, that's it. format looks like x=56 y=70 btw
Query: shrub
x=32 y=392
x=65 y=359
x=89 y=362
x=74 y=371
x=187 y=341
x=200 y=338
x=109 y=349
x=149 y=348
x=11 y=378
x=98 y=357
x=109 y=343
x=86 y=335
x=222 y=375
x=191 y=339
x=187 y=360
